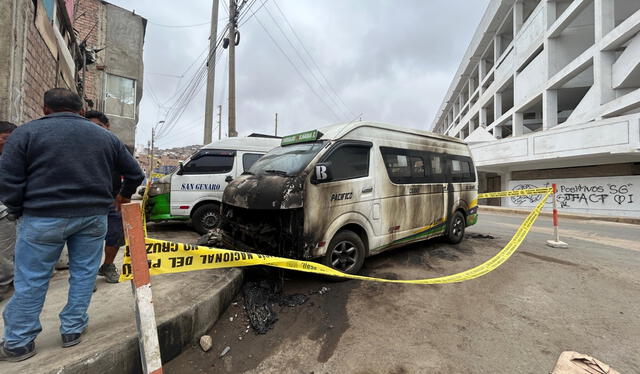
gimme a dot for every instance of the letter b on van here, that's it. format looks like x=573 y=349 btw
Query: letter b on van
x=322 y=173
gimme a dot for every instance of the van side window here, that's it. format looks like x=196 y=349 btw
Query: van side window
x=417 y=166
x=436 y=165
x=248 y=159
x=460 y=169
x=209 y=164
x=349 y=162
x=397 y=165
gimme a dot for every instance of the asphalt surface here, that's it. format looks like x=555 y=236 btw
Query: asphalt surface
x=516 y=319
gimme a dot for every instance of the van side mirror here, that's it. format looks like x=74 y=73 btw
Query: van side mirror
x=322 y=173
x=180 y=166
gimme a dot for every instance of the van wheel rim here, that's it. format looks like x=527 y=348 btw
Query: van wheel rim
x=344 y=256
x=457 y=227
x=209 y=220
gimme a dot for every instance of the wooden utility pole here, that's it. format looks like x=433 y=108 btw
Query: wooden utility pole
x=219 y=122
x=233 y=29
x=276 y=132
x=211 y=74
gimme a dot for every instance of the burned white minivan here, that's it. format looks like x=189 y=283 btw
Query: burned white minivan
x=345 y=192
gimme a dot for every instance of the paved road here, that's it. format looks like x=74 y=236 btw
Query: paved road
x=517 y=319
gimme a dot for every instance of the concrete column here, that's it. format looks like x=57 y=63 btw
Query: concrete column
x=472 y=125
x=461 y=100
x=602 y=66
x=505 y=178
x=604 y=18
x=551 y=12
x=518 y=17
x=497 y=47
x=518 y=124
x=482 y=72
x=497 y=132
x=483 y=117
x=549 y=109
x=497 y=105
x=472 y=88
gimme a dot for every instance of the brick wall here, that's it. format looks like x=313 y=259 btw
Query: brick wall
x=40 y=70
x=87 y=23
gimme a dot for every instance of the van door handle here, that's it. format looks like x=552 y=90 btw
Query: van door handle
x=228 y=179
x=367 y=190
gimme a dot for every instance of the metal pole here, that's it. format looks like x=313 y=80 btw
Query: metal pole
x=211 y=74
x=276 y=132
x=151 y=160
x=556 y=243
x=232 y=67
x=141 y=287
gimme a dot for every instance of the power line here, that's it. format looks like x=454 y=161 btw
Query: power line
x=295 y=67
x=180 y=26
x=304 y=62
x=312 y=59
x=244 y=16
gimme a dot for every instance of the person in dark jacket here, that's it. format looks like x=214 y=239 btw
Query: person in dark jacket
x=56 y=179
x=115 y=232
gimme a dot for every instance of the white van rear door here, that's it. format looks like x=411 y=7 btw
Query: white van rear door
x=203 y=177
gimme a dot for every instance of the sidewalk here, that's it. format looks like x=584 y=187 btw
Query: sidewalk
x=186 y=306
x=589 y=217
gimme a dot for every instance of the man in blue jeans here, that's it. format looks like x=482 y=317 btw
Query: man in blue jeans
x=55 y=178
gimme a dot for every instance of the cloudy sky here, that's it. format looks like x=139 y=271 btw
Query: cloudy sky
x=384 y=60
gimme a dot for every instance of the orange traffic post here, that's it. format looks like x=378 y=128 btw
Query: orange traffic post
x=556 y=242
x=141 y=285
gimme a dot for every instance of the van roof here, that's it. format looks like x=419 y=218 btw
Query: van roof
x=245 y=143
x=340 y=130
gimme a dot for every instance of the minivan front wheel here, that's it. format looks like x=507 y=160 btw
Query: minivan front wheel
x=205 y=218
x=455 y=230
x=345 y=253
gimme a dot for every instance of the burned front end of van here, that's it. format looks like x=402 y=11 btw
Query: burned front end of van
x=262 y=210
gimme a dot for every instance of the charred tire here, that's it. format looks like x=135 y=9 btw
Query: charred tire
x=205 y=218
x=346 y=253
x=455 y=228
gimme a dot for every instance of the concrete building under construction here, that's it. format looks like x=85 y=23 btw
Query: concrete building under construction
x=549 y=92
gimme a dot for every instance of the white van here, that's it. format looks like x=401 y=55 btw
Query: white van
x=345 y=192
x=194 y=190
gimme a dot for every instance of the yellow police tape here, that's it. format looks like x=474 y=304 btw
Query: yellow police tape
x=168 y=257
x=528 y=191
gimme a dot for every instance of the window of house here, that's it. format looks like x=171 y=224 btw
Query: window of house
x=209 y=163
x=120 y=96
x=248 y=159
x=349 y=162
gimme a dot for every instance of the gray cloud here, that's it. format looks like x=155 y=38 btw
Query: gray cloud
x=390 y=60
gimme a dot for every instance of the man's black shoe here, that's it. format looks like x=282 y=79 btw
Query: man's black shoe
x=17 y=354
x=69 y=340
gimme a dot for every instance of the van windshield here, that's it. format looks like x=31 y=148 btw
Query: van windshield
x=289 y=160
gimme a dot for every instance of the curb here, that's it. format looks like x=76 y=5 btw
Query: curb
x=588 y=217
x=175 y=332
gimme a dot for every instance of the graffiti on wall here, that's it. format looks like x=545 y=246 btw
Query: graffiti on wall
x=604 y=193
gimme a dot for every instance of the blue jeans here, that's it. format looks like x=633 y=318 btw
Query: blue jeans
x=38 y=246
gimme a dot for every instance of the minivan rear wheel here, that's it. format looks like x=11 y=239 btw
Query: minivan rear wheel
x=455 y=229
x=345 y=253
x=205 y=218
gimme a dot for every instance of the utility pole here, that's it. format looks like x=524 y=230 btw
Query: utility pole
x=219 y=122
x=211 y=74
x=276 y=132
x=153 y=138
x=233 y=30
